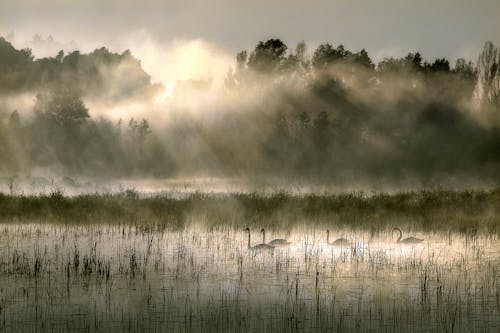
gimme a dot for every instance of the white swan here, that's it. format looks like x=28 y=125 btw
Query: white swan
x=278 y=242
x=337 y=242
x=409 y=240
x=258 y=247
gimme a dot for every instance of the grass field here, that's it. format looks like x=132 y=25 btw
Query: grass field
x=446 y=211
x=128 y=262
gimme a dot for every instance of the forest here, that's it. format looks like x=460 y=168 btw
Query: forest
x=329 y=114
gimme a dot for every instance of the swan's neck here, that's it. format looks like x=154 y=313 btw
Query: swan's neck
x=327 y=237
x=249 y=239
x=263 y=237
x=400 y=235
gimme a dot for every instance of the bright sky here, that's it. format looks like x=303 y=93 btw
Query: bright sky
x=437 y=28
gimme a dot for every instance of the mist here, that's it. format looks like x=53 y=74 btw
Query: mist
x=273 y=113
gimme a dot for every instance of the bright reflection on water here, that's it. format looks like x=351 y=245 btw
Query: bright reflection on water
x=56 y=277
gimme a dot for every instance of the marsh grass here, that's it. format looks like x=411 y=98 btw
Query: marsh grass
x=448 y=211
x=131 y=262
x=127 y=278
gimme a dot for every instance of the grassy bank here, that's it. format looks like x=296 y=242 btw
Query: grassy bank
x=457 y=211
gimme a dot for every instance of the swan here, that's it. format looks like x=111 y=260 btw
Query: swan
x=337 y=242
x=409 y=240
x=275 y=242
x=258 y=247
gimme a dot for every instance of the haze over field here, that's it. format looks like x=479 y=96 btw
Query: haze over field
x=162 y=90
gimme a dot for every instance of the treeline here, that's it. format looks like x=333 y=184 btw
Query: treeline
x=101 y=73
x=62 y=138
x=336 y=115
x=59 y=135
x=331 y=114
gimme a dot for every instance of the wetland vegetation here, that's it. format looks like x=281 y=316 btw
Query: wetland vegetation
x=99 y=277
x=465 y=211
x=129 y=262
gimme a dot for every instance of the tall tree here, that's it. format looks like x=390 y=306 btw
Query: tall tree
x=326 y=55
x=63 y=108
x=267 y=56
x=487 y=90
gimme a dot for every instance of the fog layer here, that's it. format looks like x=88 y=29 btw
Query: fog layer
x=276 y=112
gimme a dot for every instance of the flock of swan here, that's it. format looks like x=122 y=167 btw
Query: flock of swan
x=279 y=242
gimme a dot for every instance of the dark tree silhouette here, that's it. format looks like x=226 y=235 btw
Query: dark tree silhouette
x=267 y=56
x=326 y=55
x=439 y=65
x=362 y=59
x=414 y=61
x=411 y=63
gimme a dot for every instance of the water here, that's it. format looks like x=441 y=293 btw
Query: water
x=88 y=278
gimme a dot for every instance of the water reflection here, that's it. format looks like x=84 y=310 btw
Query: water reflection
x=115 y=276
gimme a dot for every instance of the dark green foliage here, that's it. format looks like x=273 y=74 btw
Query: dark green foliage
x=414 y=60
x=410 y=64
x=100 y=73
x=439 y=65
x=362 y=59
x=64 y=109
x=326 y=55
x=267 y=56
x=15 y=66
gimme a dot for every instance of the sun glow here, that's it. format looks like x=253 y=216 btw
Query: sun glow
x=179 y=60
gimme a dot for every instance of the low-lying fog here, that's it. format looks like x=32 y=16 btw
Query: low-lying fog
x=322 y=118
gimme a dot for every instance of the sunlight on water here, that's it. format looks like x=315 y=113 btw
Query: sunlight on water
x=99 y=274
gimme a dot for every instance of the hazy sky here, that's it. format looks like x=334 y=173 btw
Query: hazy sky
x=451 y=28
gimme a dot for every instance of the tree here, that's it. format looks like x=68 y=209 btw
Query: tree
x=466 y=69
x=296 y=62
x=11 y=183
x=11 y=59
x=71 y=60
x=15 y=66
x=60 y=56
x=241 y=61
x=487 y=89
x=140 y=130
x=439 y=65
x=267 y=56
x=300 y=51
x=326 y=55
x=361 y=58
x=390 y=65
x=412 y=62
x=63 y=108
